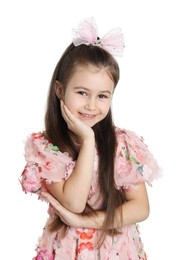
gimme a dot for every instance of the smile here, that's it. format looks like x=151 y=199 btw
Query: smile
x=88 y=116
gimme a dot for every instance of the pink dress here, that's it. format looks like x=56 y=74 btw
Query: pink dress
x=45 y=163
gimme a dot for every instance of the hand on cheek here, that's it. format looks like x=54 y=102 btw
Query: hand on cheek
x=74 y=124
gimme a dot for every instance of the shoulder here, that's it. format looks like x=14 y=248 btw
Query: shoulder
x=35 y=142
x=128 y=137
x=132 y=146
x=134 y=162
x=37 y=138
x=38 y=144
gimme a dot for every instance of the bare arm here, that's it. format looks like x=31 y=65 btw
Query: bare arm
x=135 y=210
x=73 y=192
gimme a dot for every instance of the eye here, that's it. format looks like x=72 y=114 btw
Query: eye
x=82 y=93
x=102 y=96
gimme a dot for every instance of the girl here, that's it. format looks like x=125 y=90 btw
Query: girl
x=91 y=172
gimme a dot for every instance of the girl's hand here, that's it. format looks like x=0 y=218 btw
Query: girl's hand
x=78 y=127
x=69 y=218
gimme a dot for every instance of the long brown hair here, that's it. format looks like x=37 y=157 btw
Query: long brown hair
x=57 y=131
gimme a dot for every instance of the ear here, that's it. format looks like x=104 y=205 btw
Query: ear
x=58 y=89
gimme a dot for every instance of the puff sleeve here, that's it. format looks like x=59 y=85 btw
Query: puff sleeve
x=134 y=163
x=44 y=164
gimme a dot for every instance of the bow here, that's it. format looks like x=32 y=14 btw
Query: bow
x=87 y=34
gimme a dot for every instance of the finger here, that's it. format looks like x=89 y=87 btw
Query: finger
x=43 y=194
x=56 y=212
x=63 y=111
x=51 y=199
x=71 y=120
x=68 y=116
x=67 y=111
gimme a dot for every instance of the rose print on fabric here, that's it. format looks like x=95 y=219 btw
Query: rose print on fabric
x=85 y=234
x=45 y=163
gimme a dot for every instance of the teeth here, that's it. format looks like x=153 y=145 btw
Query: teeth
x=87 y=115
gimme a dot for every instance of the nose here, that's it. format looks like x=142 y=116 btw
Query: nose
x=90 y=104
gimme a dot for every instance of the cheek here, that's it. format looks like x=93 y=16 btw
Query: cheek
x=105 y=107
x=68 y=100
x=105 y=111
x=71 y=104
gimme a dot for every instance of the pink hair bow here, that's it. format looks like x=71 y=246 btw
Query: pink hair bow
x=87 y=34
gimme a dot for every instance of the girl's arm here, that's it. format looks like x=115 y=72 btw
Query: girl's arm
x=134 y=210
x=73 y=192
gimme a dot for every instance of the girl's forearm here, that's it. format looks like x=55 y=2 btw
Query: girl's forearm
x=73 y=192
x=132 y=212
x=77 y=186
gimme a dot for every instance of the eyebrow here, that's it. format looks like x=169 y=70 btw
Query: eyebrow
x=87 y=89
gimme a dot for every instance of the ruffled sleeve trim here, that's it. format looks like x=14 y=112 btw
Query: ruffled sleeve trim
x=134 y=162
x=45 y=163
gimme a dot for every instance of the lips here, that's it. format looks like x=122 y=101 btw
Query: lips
x=87 y=116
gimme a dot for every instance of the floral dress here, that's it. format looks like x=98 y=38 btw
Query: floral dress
x=46 y=164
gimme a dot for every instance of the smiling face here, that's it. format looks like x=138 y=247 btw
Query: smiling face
x=88 y=94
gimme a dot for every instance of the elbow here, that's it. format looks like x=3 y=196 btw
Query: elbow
x=77 y=210
x=75 y=207
x=146 y=215
x=145 y=212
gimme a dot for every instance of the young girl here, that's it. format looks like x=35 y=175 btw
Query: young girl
x=91 y=172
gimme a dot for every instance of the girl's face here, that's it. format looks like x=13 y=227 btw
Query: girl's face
x=88 y=94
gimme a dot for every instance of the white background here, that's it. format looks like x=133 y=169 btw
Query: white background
x=33 y=35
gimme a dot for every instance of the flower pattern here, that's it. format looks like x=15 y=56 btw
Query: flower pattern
x=43 y=254
x=45 y=163
x=85 y=239
x=86 y=233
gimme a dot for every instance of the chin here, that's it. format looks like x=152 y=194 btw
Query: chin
x=90 y=125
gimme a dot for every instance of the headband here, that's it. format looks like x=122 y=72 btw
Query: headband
x=87 y=34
